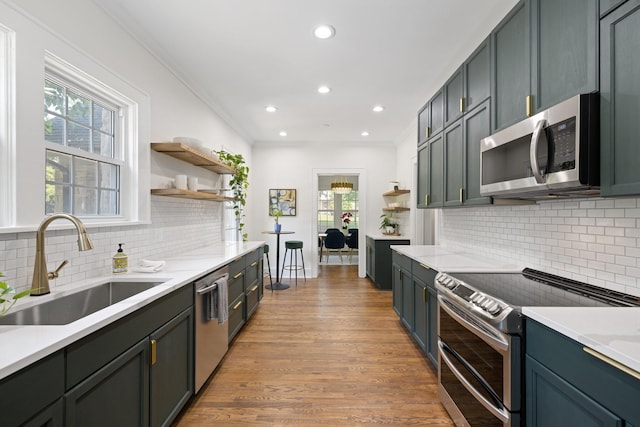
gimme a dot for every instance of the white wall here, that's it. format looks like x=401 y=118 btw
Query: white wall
x=296 y=166
x=80 y=33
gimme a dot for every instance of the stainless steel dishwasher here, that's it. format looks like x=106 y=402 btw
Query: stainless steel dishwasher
x=211 y=336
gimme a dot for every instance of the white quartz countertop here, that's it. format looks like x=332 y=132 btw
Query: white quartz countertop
x=454 y=260
x=23 y=345
x=611 y=331
x=381 y=236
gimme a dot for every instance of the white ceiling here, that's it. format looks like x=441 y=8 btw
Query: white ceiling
x=241 y=55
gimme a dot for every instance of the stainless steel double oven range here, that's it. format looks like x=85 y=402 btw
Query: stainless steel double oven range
x=481 y=338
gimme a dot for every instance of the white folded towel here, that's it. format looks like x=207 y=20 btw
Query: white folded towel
x=147 y=266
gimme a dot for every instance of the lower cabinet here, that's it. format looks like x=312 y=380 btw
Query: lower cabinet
x=379 y=260
x=245 y=289
x=566 y=385
x=415 y=302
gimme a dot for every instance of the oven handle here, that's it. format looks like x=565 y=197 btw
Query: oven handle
x=533 y=151
x=500 y=413
x=495 y=341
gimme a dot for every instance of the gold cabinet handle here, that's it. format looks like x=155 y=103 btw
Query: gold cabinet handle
x=462 y=105
x=529 y=105
x=253 y=264
x=237 y=275
x=153 y=345
x=424 y=294
x=425 y=266
x=461 y=191
x=609 y=361
x=238 y=304
x=427 y=132
x=252 y=290
x=426 y=200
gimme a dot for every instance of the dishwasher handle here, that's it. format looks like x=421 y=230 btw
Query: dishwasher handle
x=207 y=289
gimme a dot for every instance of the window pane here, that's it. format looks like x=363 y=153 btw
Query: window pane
x=103 y=144
x=58 y=167
x=53 y=129
x=85 y=201
x=78 y=136
x=85 y=172
x=54 y=98
x=108 y=202
x=79 y=108
x=102 y=118
x=57 y=198
x=108 y=176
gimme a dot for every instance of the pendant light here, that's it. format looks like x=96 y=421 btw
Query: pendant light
x=342 y=187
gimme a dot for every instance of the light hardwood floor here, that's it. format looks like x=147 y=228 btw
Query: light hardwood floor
x=331 y=352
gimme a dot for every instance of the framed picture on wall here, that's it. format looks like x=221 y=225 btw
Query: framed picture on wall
x=282 y=200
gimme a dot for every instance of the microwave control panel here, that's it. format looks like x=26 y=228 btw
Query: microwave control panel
x=561 y=138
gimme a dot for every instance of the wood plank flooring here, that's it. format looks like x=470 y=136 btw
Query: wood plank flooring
x=331 y=352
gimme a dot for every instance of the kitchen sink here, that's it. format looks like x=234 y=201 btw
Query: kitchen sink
x=71 y=307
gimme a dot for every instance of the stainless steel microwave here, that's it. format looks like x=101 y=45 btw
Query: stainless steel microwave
x=555 y=153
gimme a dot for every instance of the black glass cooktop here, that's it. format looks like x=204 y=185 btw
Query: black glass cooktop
x=535 y=288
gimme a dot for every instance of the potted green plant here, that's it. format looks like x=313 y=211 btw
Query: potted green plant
x=276 y=213
x=239 y=184
x=9 y=296
x=387 y=225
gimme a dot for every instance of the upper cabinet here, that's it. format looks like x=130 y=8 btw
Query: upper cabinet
x=431 y=118
x=476 y=77
x=454 y=97
x=544 y=51
x=619 y=100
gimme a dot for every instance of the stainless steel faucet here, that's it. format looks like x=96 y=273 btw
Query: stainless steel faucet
x=40 y=284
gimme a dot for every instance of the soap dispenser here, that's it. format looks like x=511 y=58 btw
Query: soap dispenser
x=120 y=260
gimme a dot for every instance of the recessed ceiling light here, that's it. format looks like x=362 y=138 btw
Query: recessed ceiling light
x=324 y=31
x=283 y=133
x=324 y=89
x=271 y=108
x=365 y=133
x=378 y=108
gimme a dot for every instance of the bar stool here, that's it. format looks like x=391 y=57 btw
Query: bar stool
x=293 y=245
x=266 y=252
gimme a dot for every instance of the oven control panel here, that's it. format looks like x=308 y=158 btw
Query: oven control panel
x=473 y=297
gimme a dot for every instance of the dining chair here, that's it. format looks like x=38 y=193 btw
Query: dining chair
x=335 y=240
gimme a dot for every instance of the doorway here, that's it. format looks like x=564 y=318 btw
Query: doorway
x=337 y=210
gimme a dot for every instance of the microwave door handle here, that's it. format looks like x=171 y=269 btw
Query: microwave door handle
x=533 y=151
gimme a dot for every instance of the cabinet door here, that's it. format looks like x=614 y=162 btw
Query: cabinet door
x=371 y=259
x=407 y=299
x=396 y=286
x=454 y=97
x=565 y=50
x=477 y=85
x=237 y=316
x=435 y=185
x=420 y=328
x=432 y=325
x=171 y=376
x=423 y=124
x=454 y=164
x=436 y=114
x=619 y=100
x=511 y=65
x=423 y=178
x=116 y=395
x=552 y=401
x=477 y=125
x=51 y=416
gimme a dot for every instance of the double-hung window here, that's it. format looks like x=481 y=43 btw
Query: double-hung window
x=84 y=150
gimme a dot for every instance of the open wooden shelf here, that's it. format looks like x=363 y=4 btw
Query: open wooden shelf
x=395 y=209
x=185 y=153
x=396 y=192
x=187 y=194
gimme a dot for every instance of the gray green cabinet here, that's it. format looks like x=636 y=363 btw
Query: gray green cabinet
x=253 y=288
x=477 y=80
x=423 y=177
x=32 y=396
x=477 y=125
x=567 y=385
x=454 y=97
x=543 y=52
x=245 y=289
x=431 y=173
x=619 y=100
x=453 y=164
x=511 y=66
x=415 y=302
x=379 y=251
x=431 y=117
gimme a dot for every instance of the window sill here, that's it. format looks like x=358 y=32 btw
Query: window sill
x=63 y=225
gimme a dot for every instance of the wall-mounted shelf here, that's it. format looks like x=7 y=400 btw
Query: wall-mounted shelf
x=185 y=153
x=396 y=192
x=395 y=209
x=187 y=194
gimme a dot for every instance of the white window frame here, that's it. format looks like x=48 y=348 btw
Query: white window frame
x=127 y=140
x=7 y=127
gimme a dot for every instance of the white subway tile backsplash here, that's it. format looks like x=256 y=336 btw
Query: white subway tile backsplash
x=593 y=240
